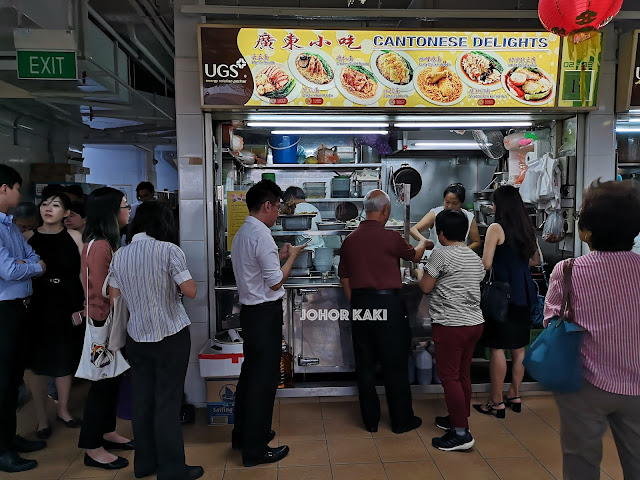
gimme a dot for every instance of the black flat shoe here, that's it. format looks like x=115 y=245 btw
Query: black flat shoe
x=236 y=441
x=516 y=407
x=44 y=433
x=371 y=428
x=490 y=408
x=108 y=445
x=73 y=423
x=414 y=423
x=270 y=456
x=22 y=445
x=115 y=465
x=10 y=462
x=443 y=423
x=196 y=471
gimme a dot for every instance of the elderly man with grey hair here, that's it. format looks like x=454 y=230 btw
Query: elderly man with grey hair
x=370 y=275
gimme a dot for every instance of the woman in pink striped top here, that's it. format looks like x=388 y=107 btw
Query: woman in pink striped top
x=606 y=303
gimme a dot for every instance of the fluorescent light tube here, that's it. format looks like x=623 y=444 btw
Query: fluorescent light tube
x=461 y=125
x=628 y=129
x=329 y=132
x=446 y=145
x=346 y=124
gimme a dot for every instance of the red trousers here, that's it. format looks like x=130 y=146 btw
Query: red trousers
x=454 y=350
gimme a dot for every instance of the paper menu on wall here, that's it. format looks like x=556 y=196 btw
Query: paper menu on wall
x=236 y=213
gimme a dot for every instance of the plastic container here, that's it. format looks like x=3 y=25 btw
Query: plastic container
x=340 y=186
x=284 y=148
x=424 y=366
x=221 y=356
x=436 y=379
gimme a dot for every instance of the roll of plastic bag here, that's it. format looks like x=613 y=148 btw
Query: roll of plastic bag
x=234 y=336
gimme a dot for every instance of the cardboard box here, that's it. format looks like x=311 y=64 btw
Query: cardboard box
x=57 y=169
x=221 y=399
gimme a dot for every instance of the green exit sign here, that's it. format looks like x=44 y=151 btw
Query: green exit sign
x=47 y=65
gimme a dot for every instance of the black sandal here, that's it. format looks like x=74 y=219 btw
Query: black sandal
x=515 y=406
x=490 y=408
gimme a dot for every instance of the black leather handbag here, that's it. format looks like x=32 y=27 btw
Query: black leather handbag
x=495 y=300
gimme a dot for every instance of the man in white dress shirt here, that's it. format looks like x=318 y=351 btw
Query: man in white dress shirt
x=260 y=279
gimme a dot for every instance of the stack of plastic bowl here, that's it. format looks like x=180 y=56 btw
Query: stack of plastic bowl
x=323 y=260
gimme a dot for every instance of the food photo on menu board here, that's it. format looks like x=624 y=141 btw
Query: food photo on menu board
x=354 y=68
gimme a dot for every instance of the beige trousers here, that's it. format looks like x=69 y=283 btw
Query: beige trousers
x=584 y=418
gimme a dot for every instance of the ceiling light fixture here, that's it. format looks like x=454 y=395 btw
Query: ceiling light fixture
x=460 y=125
x=445 y=145
x=628 y=129
x=329 y=132
x=320 y=124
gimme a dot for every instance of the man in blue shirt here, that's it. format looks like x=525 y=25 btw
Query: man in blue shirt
x=18 y=265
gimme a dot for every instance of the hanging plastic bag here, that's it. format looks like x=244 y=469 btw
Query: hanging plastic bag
x=529 y=186
x=553 y=230
x=569 y=129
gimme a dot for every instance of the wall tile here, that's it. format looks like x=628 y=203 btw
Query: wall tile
x=600 y=135
x=194 y=386
x=197 y=308
x=186 y=64
x=599 y=166
x=188 y=92
x=190 y=130
x=191 y=178
x=196 y=259
x=192 y=220
x=199 y=336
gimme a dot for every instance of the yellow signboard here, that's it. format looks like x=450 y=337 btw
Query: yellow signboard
x=581 y=58
x=236 y=213
x=264 y=67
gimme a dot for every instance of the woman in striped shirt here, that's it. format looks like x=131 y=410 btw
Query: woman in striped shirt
x=150 y=273
x=606 y=304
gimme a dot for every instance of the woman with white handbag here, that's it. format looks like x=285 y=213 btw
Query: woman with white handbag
x=149 y=275
x=107 y=212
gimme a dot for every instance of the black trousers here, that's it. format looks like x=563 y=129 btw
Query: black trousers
x=259 y=376
x=388 y=342
x=100 y=411
x=13 y=316
x=158 y=371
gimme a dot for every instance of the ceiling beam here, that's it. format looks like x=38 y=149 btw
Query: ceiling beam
x=370 y=13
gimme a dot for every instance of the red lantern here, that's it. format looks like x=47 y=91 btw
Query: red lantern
x=565 y=17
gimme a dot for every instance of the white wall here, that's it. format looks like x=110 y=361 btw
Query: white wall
x=190 y=130
x=166 y=174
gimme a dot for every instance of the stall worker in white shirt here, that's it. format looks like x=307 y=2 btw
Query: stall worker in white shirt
x=453 y=199
x=260 y=280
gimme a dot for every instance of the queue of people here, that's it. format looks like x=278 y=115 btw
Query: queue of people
x=55 y=271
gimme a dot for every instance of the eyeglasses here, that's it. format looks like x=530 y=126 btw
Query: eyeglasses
x=128 y=207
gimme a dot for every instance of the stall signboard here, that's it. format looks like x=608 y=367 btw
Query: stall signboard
x=265 y=67
x=237 y=211
x=580 y=68
x=628 y=92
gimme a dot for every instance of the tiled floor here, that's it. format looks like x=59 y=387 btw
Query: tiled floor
x=327 y=442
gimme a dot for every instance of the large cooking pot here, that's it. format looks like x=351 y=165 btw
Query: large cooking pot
x=408 y=174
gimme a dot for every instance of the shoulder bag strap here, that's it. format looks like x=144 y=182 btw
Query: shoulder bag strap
x=87 y=274
x=544 y=274
x=566 y=311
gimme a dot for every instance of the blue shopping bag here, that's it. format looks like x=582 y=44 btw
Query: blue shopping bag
x=553 y=359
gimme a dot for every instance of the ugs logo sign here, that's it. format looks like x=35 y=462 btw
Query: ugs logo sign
x=221 y=70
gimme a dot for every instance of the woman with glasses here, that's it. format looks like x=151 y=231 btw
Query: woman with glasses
x=453 y=199
x=107 y=212
x=56 y=344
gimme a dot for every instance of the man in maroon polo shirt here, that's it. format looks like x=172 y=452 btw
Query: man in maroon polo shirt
x=370 y=275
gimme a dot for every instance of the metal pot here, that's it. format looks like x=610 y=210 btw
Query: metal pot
x=408 y=174
x=303 y=260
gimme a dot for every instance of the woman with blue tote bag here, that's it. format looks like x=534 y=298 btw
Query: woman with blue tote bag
x=606 y=305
